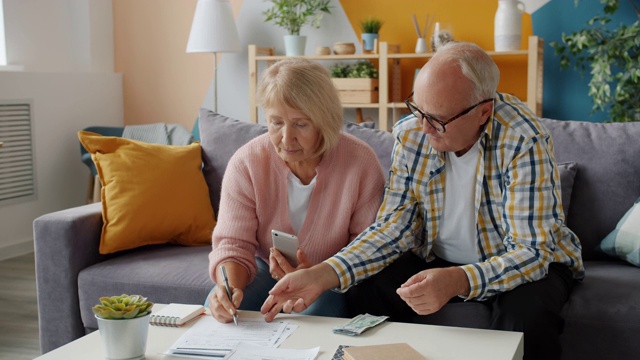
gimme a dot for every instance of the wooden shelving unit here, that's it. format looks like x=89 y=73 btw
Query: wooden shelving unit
x=389 y=66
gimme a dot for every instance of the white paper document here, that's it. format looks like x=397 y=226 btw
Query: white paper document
x=210 y=338
x=288 y=330
x=252 y=352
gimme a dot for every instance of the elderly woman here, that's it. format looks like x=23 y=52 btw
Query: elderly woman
x=304 y=177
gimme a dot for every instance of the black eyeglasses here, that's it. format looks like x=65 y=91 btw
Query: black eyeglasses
x=435 y=123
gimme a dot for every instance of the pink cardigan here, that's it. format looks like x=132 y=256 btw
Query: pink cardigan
x=347 y=195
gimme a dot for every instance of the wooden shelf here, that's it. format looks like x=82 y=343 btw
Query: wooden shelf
x=389 y=68
x=320 y=57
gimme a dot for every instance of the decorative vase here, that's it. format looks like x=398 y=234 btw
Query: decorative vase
x=294 y=45
x=369 y=40
x=421 y=45
x=508 y=25
x=124 y=338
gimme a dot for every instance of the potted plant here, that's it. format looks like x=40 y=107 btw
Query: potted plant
x=611 y=55
x=370 y=28
x=356 y=83
x=292 y=15
x=123 y=322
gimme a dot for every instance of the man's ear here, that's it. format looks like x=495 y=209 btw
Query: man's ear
x=486 y=111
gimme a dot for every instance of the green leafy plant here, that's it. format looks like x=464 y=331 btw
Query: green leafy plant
x=371 y=25
x=122 y=307
x=339 y=70
x=361 y=69
x=292 y=15
x=612 y=56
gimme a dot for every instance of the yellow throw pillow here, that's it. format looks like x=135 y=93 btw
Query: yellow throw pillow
x=151 y=194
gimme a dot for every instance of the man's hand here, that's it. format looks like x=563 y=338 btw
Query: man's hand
x=298 y=290
x=279 y=266
x=428 y=291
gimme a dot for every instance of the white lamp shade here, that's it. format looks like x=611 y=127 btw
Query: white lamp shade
x=213 y=29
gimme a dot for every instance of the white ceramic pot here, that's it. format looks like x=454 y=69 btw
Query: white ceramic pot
x=421 y=45
x=124 y=339
x=508 y=25
x=294 y=45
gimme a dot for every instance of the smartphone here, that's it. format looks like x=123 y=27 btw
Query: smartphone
x=287 y=244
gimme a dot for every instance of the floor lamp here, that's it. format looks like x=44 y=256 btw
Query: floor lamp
x=213 y=30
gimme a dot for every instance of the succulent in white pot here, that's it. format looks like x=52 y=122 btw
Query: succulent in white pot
x=123 y=322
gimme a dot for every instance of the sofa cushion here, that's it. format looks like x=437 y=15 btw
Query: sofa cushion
x=222 y=136
x=151 y=193
x=163 y=273
x=567 y=175
x=602 y=314
x=608 y=178
x=624 y=240
x=381 y=141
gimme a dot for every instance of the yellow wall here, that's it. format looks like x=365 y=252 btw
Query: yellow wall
x=161 y=82
x=468 y=20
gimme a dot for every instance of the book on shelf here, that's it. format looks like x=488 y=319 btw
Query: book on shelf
x=176 y=314
x=402 y=351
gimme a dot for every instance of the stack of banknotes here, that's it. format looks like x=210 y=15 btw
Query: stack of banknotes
x=359 y=324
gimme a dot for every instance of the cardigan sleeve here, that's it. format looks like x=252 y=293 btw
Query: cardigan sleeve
x=234 y=237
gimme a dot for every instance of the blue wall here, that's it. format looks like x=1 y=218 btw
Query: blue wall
x=565 y=91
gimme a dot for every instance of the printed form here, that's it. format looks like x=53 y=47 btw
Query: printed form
x=209 y=338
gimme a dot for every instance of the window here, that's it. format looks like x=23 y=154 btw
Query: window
x=3 y=45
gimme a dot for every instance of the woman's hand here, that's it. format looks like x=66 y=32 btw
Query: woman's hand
x=279 y=266
x=221 y=307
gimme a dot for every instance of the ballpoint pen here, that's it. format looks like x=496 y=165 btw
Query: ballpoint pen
x=226 y=286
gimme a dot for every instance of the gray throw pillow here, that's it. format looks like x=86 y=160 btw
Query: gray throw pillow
x=220 y=137
x=609 y=178
x=380 y=141
x=567 y=175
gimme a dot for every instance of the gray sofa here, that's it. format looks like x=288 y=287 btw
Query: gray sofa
x=603 y=315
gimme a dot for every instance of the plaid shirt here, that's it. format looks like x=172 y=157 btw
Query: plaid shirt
x=520 y=224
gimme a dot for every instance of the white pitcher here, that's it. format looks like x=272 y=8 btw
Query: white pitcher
x=508 y=25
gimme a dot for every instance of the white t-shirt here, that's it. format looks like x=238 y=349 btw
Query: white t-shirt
x=299 y=195
x=457 y=240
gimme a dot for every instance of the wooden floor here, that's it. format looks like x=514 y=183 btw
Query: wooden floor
x=18 y=309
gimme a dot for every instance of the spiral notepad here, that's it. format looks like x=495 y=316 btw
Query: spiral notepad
x=176 y=314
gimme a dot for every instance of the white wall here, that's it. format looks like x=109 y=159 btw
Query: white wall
x=59 y=35
x=233 y=69
x=66 y=48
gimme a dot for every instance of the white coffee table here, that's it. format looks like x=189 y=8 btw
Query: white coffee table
x=435 y=342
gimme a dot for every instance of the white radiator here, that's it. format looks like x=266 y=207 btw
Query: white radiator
x=17 y=166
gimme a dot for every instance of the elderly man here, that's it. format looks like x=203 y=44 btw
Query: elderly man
x=472 y=212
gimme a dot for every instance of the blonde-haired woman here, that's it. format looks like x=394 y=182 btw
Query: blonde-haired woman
x=304 y=177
